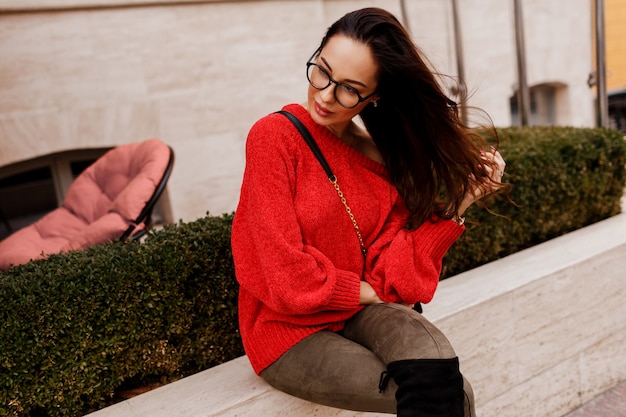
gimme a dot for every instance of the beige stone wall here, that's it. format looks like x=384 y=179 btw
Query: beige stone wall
x=198 y=74
x=38 y=5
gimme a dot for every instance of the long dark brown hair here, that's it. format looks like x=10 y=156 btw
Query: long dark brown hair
x=431 y=157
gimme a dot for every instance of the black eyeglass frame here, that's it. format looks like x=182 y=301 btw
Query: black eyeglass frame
x=331 y=80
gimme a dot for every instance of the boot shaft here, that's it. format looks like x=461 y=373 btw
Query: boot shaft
x=427 y=387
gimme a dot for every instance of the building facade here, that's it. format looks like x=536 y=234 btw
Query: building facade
x=616 y=62
x=615 y=17
x=81 y=76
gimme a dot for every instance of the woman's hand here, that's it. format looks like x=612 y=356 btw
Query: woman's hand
x=368 y=295
x=494 y=169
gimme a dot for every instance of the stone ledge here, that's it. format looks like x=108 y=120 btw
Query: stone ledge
x=539 y=333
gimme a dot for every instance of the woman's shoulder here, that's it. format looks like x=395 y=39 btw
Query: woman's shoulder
x=273 y=133
x=275 y=123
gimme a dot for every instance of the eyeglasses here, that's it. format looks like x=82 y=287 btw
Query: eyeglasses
x=346 y=95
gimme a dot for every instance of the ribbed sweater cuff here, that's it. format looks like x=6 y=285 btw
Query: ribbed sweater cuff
x=347 y=291
x=436 y=238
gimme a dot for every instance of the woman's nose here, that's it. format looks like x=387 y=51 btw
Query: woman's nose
x=328 y=94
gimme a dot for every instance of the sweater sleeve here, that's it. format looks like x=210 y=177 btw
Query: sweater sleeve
x=271 y=261
x=405 y=265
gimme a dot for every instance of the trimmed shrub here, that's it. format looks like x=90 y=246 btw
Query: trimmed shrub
x=563 y=179
x=79 y=326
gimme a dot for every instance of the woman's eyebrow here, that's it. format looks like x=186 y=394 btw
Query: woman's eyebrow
x=348 y=80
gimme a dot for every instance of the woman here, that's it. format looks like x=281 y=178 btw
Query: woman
x=319 y=318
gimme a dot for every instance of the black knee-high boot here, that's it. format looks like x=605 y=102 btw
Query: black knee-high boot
x=427 y=387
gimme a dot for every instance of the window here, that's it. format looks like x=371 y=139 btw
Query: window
x=31 y=189
x=543 y=104
x=617 y=110
x=24 y=198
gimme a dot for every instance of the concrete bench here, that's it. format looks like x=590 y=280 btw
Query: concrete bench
x=539 y=333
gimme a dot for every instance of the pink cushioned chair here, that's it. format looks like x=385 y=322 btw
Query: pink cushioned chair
x=112 y=199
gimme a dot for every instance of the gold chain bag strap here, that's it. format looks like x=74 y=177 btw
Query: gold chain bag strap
x=331 y=177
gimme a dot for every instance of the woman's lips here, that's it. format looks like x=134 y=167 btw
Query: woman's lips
x=321 y=111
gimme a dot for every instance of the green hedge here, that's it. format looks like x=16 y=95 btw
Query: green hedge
x=563 y=179
x=78 y=327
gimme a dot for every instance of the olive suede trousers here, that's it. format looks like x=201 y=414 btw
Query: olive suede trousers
x=343 y=369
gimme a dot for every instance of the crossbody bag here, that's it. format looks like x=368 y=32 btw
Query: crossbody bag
x=329 y=173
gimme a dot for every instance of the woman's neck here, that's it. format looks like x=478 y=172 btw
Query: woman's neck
x=358 y=138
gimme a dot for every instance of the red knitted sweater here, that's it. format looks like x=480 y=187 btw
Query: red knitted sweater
x=297 y=257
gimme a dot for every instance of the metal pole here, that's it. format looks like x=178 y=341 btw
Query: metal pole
x=405 y=19
x=523 y=94
x=460 y=65
x=602 y=101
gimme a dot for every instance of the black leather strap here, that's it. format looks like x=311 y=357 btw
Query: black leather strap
x=311 y=142
x=331 y=177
